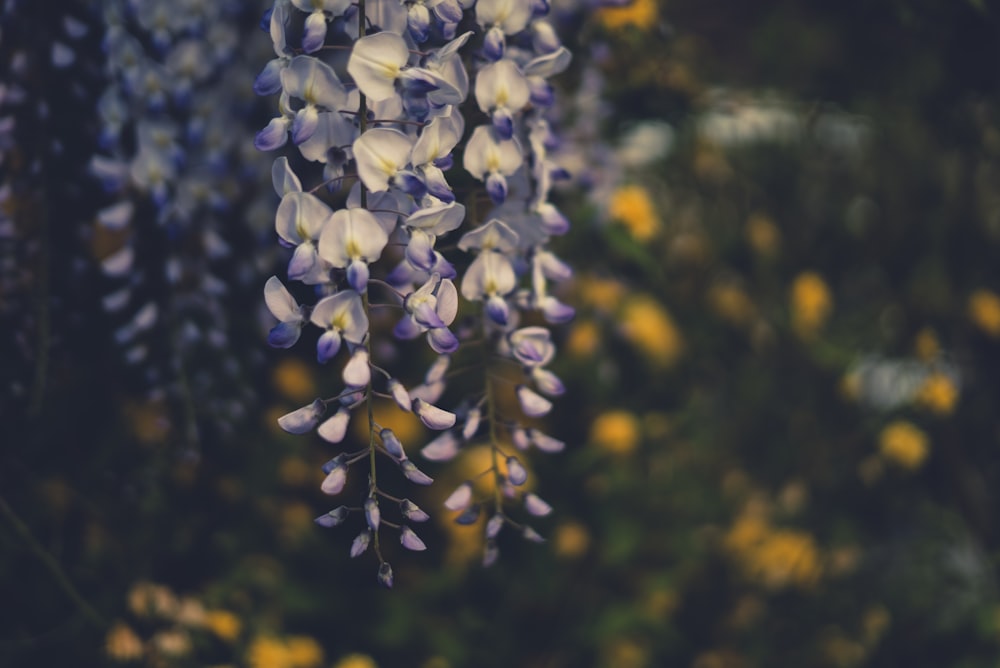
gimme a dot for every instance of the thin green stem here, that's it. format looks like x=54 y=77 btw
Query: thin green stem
x=88 y=611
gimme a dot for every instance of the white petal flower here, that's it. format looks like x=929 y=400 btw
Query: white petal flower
x=501 y=85
x=352 y=234
x=381 y=153
x=486 y=153
x=492 y=235
x=314 y=82
x=376 y=62
x=357 y=372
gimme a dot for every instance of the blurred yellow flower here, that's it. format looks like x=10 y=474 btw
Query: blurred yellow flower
x=642 y=14
x=903 y=444
x=292 y=652
x=295 y=472
x=295 y=522
x=731 y=303
x=616 y=432
x=720 y=658
x=634 y=209
x=571 y=540
x=762 y=234
x=660 y=603
x=648 y=326
x=122 y=643
x=625 y=653
x=811 y=304
x=937 y=394
x=584 y=338
x=786 y=557
x=149 y=599
x=191 y=612
x=776 y=558
x=984 y=310
x=356 y=661
x=874 y=623
x=294 y=379
x=603 y=294
x=224 y=624
x=926 y=345
x=304 y=651
x=267 y=652
x=172 y=642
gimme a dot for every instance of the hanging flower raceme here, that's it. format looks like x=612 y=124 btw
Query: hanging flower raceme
x=382 y=128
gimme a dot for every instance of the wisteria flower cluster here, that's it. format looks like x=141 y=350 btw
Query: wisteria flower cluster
x=375 y=97
x=168 y=164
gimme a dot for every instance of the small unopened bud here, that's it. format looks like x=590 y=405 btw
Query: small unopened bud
x=536 y=506
x=469 y=516
x=410 y=540
x=304 y=419
x=360 y=543
x=412 y=511
x=400 y=395
x=385 y=575
x=490 y=554
x=372 y=514
x=333 y=518
x=532 y=535
x=494 y=525
x=516 y=472
x=432 y=416
x=413 y=474
x=532 y=403
x=460 y=498
x=392 y=444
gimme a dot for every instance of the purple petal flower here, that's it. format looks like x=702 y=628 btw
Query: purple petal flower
x=490 y=554
x=333 y=518
x=469 y=516
x=532 y=535
x=544 y=442
x=304 y=419
x=392 y=444
x=412 y=511
x=410 y=540
x=432 y=416
x=516 y=472
x=284 y=334
x=385 y=575
x=334 y=428
x=494 y=525
x=536 y=506
x=442 y=448
x=460 y=498
x=400 y=395
x=334 y=481
x=360 y=543
x=472 y=420
x=372 y=514
x=413 y=474
x=532 y=403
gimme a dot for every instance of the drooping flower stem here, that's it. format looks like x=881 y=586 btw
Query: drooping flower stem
x=494 y=447
x=369 y=398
